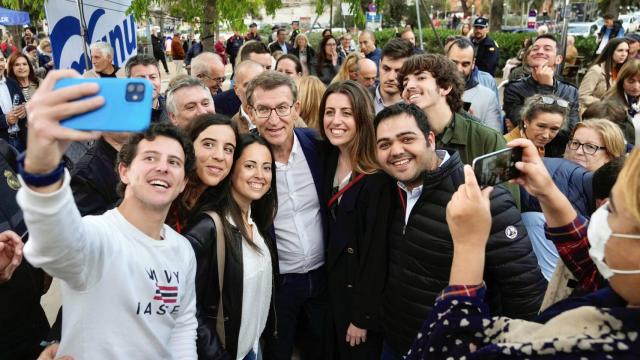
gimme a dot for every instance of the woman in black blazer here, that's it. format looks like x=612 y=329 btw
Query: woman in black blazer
x=358 y=200
x=305 y=53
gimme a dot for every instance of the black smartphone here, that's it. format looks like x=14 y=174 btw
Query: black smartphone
x=466 y=106
x=497 y=167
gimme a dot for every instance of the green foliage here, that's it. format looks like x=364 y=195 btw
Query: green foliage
x=35 y=8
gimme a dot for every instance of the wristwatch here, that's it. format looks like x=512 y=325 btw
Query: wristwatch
x=39 y=180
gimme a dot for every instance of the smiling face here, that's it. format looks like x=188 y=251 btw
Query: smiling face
x=191 y=102
x=276 y=129
x=214 y=149
x=252 y=176
x=403 y=151
x=156 y=175
x=544 y=52
x=592 y=162
x=543 y=128
x=338 y=120
x=621 y=52
x=21 y=68
x=149 y=72
x=421 y=89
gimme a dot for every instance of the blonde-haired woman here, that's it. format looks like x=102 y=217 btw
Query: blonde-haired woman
x=310 y=91
x=305 y=53
x=595 y=142
x=349 y=68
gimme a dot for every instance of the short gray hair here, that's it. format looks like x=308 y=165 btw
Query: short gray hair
x=270 y=80
x=140 y=59
x=104 y=47
x=201 y=63
x=185 y=82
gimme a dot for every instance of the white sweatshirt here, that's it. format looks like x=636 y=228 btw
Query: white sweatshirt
x=124 y=294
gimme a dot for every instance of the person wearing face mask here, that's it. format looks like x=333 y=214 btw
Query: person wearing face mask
x=603 y=324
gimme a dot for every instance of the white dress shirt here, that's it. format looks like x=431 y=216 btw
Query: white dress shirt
x=298 y=223
x=257 y=278
x=414 y=194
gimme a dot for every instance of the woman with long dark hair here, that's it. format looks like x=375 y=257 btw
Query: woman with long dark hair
x=235 y=274
x=604 y=71
x=328 y=62
x=358 y=198
x=626 y=92
x=214 y=140
x=19 y=68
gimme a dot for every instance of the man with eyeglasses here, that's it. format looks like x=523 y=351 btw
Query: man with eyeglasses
x=188 y=98
x=345 y=48
x=543 y=58
x=299 y=221
x=209 y=69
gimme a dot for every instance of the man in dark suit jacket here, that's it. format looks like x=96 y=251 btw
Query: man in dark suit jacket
x=13 y=117
x=281 y=43
x=272 y=98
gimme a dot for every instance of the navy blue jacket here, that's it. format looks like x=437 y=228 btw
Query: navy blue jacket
x=227 y=103
x=572 y=179
x=487 y=55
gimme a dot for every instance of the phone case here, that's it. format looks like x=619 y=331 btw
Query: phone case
x=119 y=112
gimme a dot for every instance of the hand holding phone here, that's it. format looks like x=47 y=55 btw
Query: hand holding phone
x=127 y=105
x=497 y=167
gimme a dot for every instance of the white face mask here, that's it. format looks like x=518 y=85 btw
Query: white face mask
x=599 y=233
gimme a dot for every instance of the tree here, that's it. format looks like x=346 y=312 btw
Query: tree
x=207 y=13
x=497 y=11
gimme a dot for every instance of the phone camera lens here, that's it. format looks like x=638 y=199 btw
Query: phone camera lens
x=131 y=88
x=140 y=88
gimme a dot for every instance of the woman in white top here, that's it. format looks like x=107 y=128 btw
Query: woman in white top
x=246 y=205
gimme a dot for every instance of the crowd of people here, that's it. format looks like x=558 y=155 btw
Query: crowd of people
x=324 y=205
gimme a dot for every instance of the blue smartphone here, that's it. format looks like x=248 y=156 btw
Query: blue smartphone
x=127 y=105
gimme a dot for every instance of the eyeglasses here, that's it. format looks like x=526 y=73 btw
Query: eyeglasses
x=548 y=100
x=587 y=148
x=219 y=80
x=265 y=112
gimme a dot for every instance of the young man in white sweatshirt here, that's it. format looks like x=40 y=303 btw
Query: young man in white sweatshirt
x=128 y=279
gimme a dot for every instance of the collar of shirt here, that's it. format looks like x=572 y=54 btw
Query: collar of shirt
x=247 y=118
x=295 y=150
x=378 y=97
x=3 y=80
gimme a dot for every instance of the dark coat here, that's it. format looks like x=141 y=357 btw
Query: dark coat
x=515 y=94
x=24 y=323
x=277 y=47
x=195 y=50
x=573 y=180
x=487 y=55
x=227 y=103
x=326 y=71
x=311 y=58
x=202 y=236
x=421 y=252
x=14 y=89
x=94 y=180
x=356 y=257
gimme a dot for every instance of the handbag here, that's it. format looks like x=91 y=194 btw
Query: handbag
x=210 y=340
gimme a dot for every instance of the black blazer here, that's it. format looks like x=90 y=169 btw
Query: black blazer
x=274 y=46
x=357 y=250
x=227 y=103
x=14 y=88
x=311 y=58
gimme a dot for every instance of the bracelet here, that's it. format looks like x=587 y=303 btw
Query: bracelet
x=39 y=180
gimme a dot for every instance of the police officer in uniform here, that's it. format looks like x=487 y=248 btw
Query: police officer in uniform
x=295 y=31
x=487 y=52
